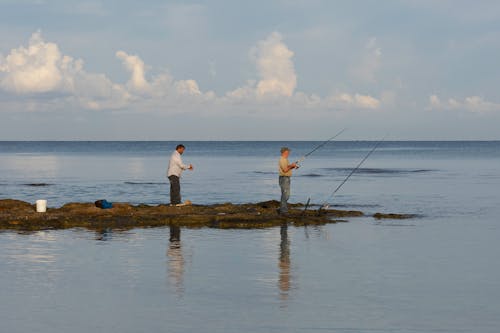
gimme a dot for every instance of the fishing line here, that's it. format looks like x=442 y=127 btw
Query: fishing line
x=325 y=204
x=300 y=160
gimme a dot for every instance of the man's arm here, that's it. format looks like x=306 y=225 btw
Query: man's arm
x=182 y=165
x=285 y=168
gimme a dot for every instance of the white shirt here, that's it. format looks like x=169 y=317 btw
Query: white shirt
x=175 y=165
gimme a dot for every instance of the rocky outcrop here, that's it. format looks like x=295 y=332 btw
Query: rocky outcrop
x=20 y=215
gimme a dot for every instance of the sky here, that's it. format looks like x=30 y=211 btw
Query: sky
x=249 y=70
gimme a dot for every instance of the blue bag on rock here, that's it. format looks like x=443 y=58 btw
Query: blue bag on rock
x=104 y=204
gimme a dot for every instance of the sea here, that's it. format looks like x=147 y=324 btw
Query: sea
x=436 y=272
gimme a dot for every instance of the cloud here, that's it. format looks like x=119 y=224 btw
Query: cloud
x=275 y=67
x=275 y=70
x=135 y=66
x=162 y=87
x=475 y=104
x=36 y=69
x=51 y=78
x=348 y=101
x=278 y=80
x=187 y=87
x=41 y=68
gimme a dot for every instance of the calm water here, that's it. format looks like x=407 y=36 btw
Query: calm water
x=435 y=273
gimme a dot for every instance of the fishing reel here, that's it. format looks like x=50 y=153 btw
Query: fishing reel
x=297 y=163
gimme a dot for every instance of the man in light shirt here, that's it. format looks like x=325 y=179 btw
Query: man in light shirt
x=175 y=168
x=285 y=172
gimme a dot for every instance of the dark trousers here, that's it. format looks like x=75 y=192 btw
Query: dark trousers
x=284 y=182
x=175 y=190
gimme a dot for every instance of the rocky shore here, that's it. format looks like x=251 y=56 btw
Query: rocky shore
x=20 y=215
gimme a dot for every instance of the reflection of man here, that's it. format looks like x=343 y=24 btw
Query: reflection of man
x=175 y=168
x=104 y=234
x=285 y=172
x=175 y=235
x=284 y=264
x=175 y=259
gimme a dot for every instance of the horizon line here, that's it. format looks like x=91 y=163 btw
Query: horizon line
x=260 y=140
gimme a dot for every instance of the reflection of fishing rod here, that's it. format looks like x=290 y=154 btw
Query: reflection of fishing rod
x=325 y=205
x=300 y=160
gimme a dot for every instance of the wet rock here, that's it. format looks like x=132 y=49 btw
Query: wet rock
x=20 y=215
x=393 y=216
x=11 y=205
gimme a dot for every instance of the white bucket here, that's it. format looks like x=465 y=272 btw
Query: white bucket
x=41 y=206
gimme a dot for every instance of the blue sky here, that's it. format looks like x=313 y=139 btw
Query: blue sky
x=229 y=70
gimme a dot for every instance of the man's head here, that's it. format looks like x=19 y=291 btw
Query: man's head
x=285 y=151
x=180 y=149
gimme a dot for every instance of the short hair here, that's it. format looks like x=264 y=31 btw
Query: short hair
x=179 y=147
x=284 y=149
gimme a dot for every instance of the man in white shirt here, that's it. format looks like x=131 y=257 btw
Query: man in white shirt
x=175 y=168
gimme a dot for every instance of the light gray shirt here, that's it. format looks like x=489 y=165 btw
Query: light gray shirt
x=175 y=165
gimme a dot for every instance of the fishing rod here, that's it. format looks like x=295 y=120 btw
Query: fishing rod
x=300 y=160
x=309 y=153
x=325 y=205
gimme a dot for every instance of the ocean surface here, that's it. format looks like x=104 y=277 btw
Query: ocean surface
x=437 y=272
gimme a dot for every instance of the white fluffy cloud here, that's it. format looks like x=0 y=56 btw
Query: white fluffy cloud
x=275 y=67
x=136 y=67
x=38 y=68
x=187 y=87
x=349 y=101
x=41 y=68
x=471 y=104
x=277 y=79
x=160 y=87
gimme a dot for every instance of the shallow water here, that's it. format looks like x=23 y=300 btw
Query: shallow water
x=435 y=273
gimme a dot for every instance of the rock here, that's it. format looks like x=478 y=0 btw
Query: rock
x=19 y=215
x=393 y=216
x=15 y=205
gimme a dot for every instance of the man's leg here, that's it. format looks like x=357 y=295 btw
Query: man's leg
x=175 y=190
x=285 y=194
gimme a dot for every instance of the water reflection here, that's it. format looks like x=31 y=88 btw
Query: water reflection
x=175 y=260
x=135 y=166
x=36 y=257
x=104 y=234
x=39 y=253
x=37 y=166
x=284 y=263
x=317 y=232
